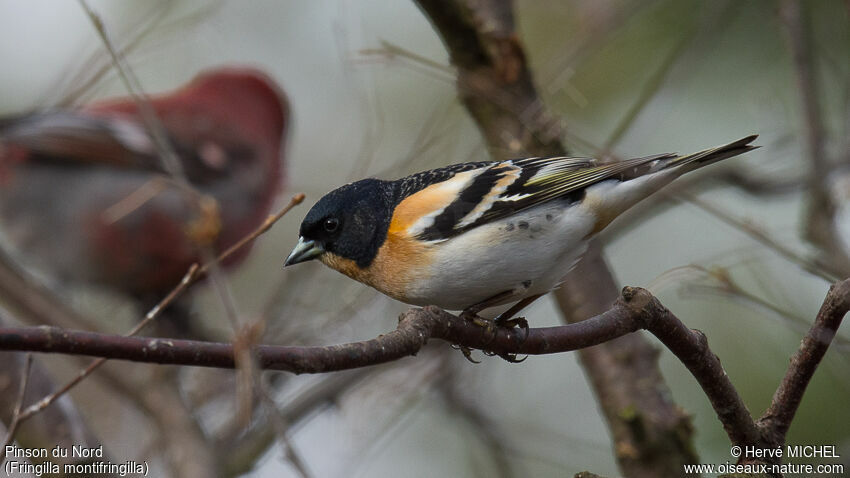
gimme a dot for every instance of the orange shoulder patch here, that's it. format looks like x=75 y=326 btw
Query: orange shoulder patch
x=434 y=198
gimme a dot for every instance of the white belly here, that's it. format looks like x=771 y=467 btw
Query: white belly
x=528 y=255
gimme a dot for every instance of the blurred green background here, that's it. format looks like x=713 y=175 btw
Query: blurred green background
x=658 y=76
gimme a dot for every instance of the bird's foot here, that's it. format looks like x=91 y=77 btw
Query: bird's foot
x=507 y=322
x=466 y=351
x=515 y=322
x=471 y=315
x=491 y=326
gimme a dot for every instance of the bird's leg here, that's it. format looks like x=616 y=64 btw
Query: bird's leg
x=471 y=313
x=507 y=319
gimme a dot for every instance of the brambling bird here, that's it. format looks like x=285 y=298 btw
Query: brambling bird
x=476 y=235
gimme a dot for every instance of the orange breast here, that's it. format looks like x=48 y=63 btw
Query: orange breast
x=399 y=264
x=402 y=261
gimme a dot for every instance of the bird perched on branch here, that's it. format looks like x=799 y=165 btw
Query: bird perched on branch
x=476 y=235
x=87 y=193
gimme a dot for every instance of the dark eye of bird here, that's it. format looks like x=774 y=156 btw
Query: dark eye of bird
x=331 y=224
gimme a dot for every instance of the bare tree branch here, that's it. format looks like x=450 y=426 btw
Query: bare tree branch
x=650 y=434
x=636 y=309
x=776 y=421
x=415 y=328
x=493 y=79
x=821 y=208
x=194 y=274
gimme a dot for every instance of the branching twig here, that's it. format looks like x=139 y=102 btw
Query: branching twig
x=775 y=422
x=636 y=309
x=265 y=226
x=194 y=273
x=149 y=317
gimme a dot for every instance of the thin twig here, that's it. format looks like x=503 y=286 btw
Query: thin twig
x=391 y=50
x=16 y=415
x=192 y=275
x=281 y=429
x=650 y=90
x=820 y=217
x=243 y=453
x=149 y=317
x=761 y=236
x=265 y=226
x=724 y=285
x=244 y=337
x=92 y=70
x=206 y=205
x=799 y=37
x=31 y=301
x=168 y=156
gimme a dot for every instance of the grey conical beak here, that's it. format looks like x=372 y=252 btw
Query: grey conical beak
x=304 y=251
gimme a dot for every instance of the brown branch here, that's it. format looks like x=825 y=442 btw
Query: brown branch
x=62 y=426
x=821 y=208
x=493 y=79
x=651 y=435
x=45 y=402
x=776 y=421
x=636 y=309
x=415 y=328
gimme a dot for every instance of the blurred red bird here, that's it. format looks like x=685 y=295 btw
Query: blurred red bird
x=84 y=192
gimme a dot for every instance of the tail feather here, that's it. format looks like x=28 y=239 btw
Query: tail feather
x=651 y=174
x=709 y=156
x=682 y=164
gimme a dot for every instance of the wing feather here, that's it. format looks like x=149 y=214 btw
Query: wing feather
x=500 y=189
x=506 y=187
